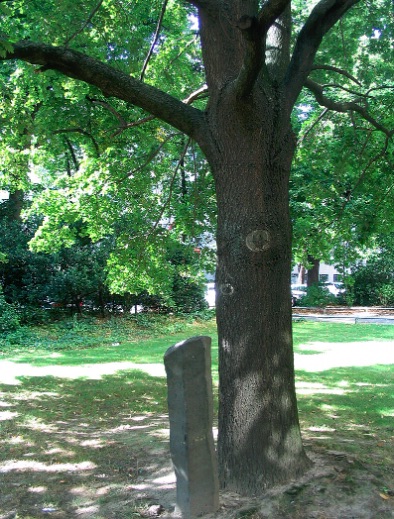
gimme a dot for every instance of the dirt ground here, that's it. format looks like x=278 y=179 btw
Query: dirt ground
x=127 y=474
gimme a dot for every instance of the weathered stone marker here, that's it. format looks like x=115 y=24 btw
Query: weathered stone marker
x=190 y=406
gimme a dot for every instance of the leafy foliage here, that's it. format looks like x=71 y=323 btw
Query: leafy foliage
x=9 y=319
x=341 y=178
x=374 y=278
x=319 y=296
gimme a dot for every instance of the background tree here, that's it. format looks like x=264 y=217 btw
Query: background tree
x=373 y=279
x=255 y=68
x=341 y=178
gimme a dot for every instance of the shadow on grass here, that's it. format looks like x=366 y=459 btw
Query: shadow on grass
x=84 y=444
x=70 y=445
x=350 y=409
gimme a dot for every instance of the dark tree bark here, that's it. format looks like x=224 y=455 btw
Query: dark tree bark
x=246 y=136
x=259 y=436
x=15 y=206
x=313 y=272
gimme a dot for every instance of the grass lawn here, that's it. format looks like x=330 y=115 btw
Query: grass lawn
x=83 y=406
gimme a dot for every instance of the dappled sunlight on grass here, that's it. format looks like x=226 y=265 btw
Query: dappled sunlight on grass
x=85 y=441
x=346 y=408
x=35 y=466
x=103 y=411
x=305 y=388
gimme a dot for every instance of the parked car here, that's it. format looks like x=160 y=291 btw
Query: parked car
x=337 y=289
x=297 y=291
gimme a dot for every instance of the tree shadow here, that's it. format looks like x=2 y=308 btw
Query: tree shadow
x=84 y=446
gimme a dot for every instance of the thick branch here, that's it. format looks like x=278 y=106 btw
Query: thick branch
x=351 y=106
x=270 y=12
x=322 y=18
x=253 y=56
x=113 y=83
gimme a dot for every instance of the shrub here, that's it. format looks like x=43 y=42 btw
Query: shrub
x=317 y=296
x=9 y=318
x=188 y=295
x=374 y=282
x=385 y=295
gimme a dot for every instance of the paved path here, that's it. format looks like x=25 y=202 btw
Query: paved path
x=363 y=316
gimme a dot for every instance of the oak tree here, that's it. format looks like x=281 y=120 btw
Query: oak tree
x=257 y=57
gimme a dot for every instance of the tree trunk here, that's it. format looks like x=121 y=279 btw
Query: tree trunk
x=259 y=437
x=313 y=272
x=15 y=205
x=301 y=274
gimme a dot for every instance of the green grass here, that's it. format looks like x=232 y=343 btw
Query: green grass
x=101 y=377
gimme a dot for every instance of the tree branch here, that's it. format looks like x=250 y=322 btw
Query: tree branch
x=123 y=124
x=372 y=161
x=316 y=122
x=156 y=37
x=271 y=10
x=322 y=18
x=253 y=56
x=110 y=108
x=200 y=93
x=150 y=157
x=338 y=70
x=345 y=89
x=158 y=219
x=351 y=106
x=73 y=156
x=361 y=177
x=82 y=132
x=203 y=3
x=113 y=83
x=88 y=20
x=133 y=124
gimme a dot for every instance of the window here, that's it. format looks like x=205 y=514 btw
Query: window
x=323 y=277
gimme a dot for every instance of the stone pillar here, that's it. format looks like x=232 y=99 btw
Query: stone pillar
x=190 y=406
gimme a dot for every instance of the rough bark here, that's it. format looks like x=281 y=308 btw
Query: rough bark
x=246 y=135
x=259 y=435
